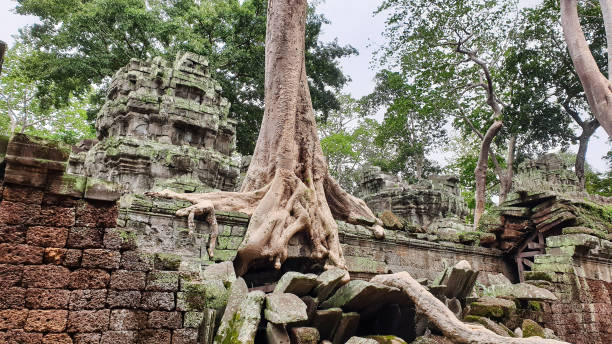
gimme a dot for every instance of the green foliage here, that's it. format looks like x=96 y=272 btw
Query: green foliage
x=346 y=140
x=22 y=112
x=412 y=126
x=547 y=95
x=82 y=43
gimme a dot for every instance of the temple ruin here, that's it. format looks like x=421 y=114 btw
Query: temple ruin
x=86 y=257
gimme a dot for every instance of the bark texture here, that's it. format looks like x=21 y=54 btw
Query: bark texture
x=597 y=87
x=444 y=319
x=480 y=173
x=287 y=188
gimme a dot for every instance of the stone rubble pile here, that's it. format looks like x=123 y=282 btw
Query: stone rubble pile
x=330 y=308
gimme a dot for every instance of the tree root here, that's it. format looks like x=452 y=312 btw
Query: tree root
x=445 y=320
x=278 y=211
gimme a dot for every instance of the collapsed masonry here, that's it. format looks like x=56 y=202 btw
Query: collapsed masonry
x=86 y=260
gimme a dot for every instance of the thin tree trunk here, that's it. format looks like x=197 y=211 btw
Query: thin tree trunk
x=3 y=47
x=505 y=178
x=596 y=86
x=588 y=129
x=480 y=173
x=287 y=188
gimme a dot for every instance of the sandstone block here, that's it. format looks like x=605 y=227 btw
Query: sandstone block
x=85 y=237
x=170 y=320
x=138 y=261
x=221 y=271
x=277 y=334
x=304 y=335
x=123 y=299
x=87 y=338
x=101 y=258
x=128 y=280
x=283 y=308
x=163 y=281
x=250 y=313
x=89 y=279
x=185 y=336
x=47 y=298
x=153 y=300
x=55 y=216
x=88 y=321
x=15 y=234
x=12 y=318
x=127 y=319
x=98 y=214
x=12 y=213
x=45 y=276
x=296 y=283
x=153 y=337
x=12 y=297
x=87 y=299
x=10 y=275
x=20 y=254
x=22 y=194
x=326 y=320
x=46 y=321
x=118 y=337
x=47 y=236
x=328 y=281
x=57 y=338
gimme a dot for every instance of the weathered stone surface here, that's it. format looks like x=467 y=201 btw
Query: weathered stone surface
x=328 y=281
x=356 y=295
x=220 y=271
x=162 y=126
x=491 y=325
x=491 y=307
x=304 y=335
x=531 y=329
x=496 y=279
x=277 y=334
x=347 y=327
x=458 y=280
x=521 y=291
x=312 y=304
x=237 y=294
x=296 y=283
x=284 y=308
x=243 y=325
x=207 y=327
x=326 y=321
x=361 y=340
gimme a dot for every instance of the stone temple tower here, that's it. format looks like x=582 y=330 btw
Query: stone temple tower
x=163 y=126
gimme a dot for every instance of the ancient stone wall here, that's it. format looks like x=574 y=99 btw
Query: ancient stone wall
x=68 y=275
x=578 y=269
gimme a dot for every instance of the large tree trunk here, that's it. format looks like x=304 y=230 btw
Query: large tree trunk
x=480 y=173
x=606 y=11
x=287 y=188
x=444 y=319
x=597 y=87
x=588 y=128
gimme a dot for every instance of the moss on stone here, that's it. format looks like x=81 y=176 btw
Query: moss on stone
x=532 y=329
x=167 y=261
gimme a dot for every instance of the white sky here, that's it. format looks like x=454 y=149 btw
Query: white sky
x=352 y=22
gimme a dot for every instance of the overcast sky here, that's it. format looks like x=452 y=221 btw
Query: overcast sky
x=352 y=22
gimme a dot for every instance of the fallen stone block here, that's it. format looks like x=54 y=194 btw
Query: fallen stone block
x=326 y=320
x=360 y=340
x=357 y=295
x=521 y=291
x=304 y=335
x=296 y=283
x=277 y=334
x=284 y=308
x=328 y=281
x=347 y=327
x=242 y=326
x=220 y=271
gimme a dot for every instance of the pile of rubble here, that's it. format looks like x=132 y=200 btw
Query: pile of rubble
x=331 y=308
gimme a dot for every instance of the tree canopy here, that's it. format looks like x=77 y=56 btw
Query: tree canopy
x=82 y=43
